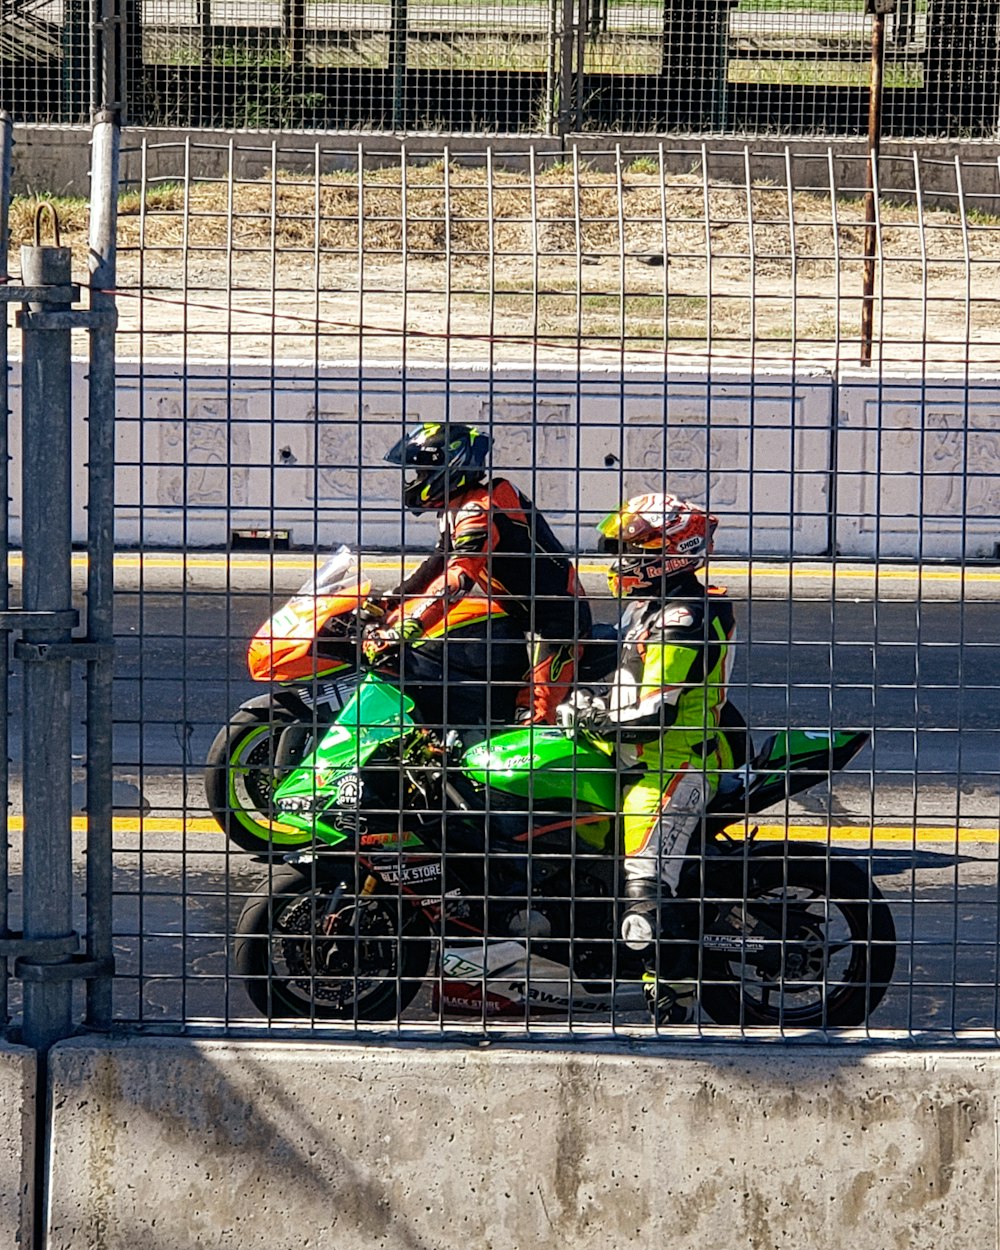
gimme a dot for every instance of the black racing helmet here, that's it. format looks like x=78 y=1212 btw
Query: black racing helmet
x=447 y=458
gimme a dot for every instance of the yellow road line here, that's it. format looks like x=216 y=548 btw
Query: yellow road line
x=877 y=835
x=873 y=573
x=911 y=835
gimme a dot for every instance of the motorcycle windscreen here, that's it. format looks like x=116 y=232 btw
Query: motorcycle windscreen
x=285 y=647
x=376 y=713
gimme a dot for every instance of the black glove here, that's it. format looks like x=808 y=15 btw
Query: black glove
x=380 y=641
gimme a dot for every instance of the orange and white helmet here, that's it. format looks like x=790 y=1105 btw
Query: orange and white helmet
x=656 y=538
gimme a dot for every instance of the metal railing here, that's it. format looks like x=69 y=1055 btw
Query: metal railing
x=679 y=318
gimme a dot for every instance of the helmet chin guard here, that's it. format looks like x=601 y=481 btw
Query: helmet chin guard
x=657 y=538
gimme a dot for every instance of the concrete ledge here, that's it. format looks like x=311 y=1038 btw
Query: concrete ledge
x=56 y=159
x=176 y=1144
x=17 y=1144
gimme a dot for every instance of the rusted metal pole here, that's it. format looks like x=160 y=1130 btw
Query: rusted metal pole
x=878 y=10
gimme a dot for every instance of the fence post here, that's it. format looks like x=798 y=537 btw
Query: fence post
x=567 y=113
x=105 y=146
x=47 y=959
x=878 y=10
x=398 y=23
x=46 y=415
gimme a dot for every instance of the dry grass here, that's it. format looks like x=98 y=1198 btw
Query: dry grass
x=563 y=248
x=455 y=217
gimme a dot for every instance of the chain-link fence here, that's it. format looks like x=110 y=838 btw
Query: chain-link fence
x=756 y=67
x=325 y=817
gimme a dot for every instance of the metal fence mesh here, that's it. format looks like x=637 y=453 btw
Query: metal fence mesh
x=755 y=67
x=670 y=318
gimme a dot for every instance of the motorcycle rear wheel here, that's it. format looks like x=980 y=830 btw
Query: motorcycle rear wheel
x=835 y=957
x=240 y=781
x=306 y=954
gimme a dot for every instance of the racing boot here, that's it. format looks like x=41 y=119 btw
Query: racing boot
x=670 y=1001
x=667 y=1003
x=640 y=921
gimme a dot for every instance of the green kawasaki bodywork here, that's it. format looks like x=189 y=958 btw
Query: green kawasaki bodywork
x=538 y=765
x=376 y=713
x=798 y=749
x=545 y=764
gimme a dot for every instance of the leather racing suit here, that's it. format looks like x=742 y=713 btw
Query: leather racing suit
x=664 y=705
x=493 y=538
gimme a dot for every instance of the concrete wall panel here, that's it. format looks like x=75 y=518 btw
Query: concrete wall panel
x=918 y=466
x=206 y=449
x=17 y=1144
x=286 y=447
x=171 y=1144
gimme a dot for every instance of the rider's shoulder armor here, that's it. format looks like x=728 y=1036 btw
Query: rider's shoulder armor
x=468 y=520
x=675 y=619
x=675 y=616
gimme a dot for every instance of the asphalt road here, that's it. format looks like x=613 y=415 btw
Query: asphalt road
x=924 y=677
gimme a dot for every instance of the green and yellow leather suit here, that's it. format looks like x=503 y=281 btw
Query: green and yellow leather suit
x=664 y=706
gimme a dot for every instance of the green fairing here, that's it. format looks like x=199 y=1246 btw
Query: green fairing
x=546 y=764
x=376 y=713
x=800 y=748
x=794 y=745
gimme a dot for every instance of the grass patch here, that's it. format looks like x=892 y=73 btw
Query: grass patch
x=822 y=73
x=688 y=305
x=73 y=211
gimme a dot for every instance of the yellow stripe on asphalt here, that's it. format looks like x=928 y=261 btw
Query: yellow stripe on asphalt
x=833 y=572
x=909 y=835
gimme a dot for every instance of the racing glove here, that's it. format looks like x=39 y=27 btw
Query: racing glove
x=379 y=642
x=585 y=710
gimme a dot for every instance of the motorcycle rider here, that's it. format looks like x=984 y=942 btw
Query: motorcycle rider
x=492 y=538
x=664 y=706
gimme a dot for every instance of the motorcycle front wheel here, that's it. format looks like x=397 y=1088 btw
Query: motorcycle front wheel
x=830 y=959
x=240 y=781
x=308 y=946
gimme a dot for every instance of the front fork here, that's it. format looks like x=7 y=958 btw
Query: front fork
x=329 y=917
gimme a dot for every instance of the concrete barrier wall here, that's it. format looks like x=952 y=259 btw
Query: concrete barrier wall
x=207 y=448
x=17 y=1144
x=172 y=1144
x=56 y=159
x=918 y=466
x=203 y=450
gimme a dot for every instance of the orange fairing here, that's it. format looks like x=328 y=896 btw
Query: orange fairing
x=469 y=610
x=285 y=648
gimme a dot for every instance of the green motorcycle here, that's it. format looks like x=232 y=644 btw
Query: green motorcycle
x=492 y=874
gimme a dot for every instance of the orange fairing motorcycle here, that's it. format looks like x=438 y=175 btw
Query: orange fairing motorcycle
x=466 y=672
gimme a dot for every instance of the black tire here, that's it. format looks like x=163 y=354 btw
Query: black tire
x=835 y=961
x=240 y=781
x=370 y=966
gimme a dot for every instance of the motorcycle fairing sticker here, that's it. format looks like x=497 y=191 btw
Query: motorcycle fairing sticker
x=390 y=839
x=394 y=875
x=507 y=970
